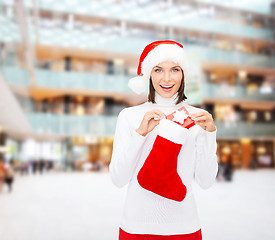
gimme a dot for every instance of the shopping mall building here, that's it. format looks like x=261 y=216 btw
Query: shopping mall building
x=65 y=66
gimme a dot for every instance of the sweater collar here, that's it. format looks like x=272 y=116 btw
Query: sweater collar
x=167 y=102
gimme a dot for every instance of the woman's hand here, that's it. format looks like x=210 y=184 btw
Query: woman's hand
x=150 y=121
x=204 y=120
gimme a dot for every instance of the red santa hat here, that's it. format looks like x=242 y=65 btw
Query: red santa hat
x=153 y=54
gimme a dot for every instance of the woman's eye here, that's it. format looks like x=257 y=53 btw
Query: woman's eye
x=157 y=70
x=175 y=70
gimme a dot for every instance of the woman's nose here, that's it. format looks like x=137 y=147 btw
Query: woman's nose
x=166 y=76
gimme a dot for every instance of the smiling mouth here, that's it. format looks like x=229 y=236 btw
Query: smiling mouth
x=167 y=87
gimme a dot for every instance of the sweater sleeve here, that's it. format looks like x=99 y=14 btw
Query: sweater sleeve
x=126 y=151
x=206 y=167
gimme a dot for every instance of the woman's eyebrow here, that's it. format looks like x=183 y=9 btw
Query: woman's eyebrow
x=176 y=66
x=171 y=67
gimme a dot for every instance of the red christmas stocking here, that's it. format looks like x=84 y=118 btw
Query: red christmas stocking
x=159 y=172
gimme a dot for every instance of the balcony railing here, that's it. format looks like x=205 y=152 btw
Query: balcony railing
x=111 y=40
x=67 y=80
x=119 y=84
x=168 y=16
x=262 y=7
x=78 y=80
x=16 y=75
x=243 y=130
x=93 y=36
x=224 y=91
x=71 y=125
x=209 y=54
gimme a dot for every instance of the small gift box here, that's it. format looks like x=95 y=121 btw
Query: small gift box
x=181 y=117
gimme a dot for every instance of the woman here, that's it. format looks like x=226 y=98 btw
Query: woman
x=159 y=157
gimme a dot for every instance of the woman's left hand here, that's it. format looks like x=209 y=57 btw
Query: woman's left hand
x=204 y=120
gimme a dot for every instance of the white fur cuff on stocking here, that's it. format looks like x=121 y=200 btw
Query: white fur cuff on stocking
x=172 y=131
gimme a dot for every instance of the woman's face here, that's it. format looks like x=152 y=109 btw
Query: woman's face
x=166 y=78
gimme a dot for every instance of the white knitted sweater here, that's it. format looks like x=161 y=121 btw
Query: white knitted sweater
x=144 y=211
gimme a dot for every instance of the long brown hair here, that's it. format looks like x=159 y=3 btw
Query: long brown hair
x=181 y=95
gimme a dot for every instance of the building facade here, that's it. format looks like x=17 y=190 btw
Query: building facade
x=65 y=68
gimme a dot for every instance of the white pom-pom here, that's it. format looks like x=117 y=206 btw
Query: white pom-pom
x=138 y=84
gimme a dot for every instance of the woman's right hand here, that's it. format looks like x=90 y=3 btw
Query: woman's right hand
x=150 y=121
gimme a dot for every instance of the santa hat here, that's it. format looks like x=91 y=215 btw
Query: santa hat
x=153 y=54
